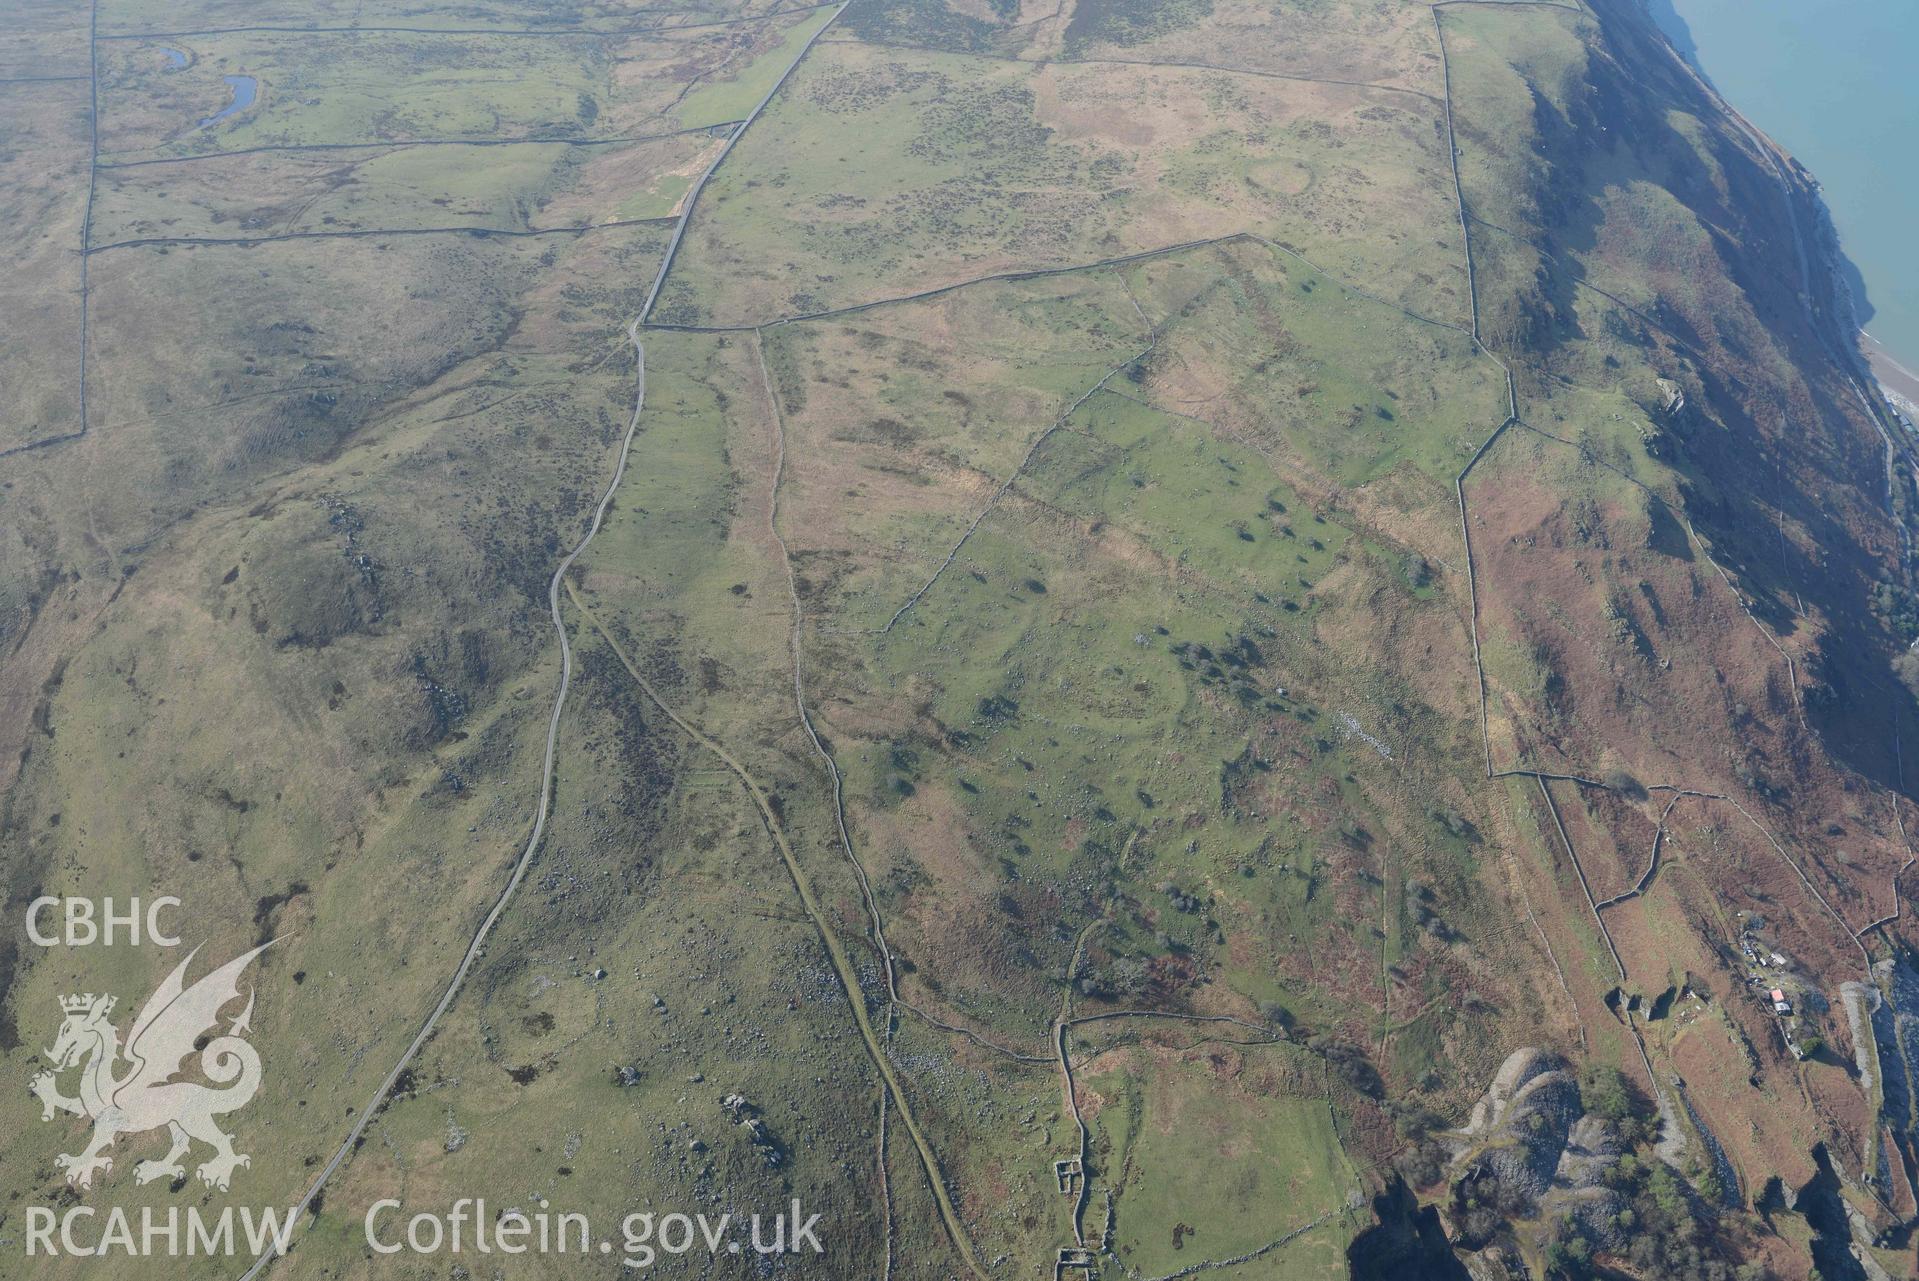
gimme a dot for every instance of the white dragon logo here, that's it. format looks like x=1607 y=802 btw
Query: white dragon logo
x=169 y=1028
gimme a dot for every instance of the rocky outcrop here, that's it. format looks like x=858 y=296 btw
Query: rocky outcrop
x=1594 y=1214
x=1520 y=1067
x=1524 y=1121
x=1532 y=1152
x=1497 y=1263
x=1592 y=1147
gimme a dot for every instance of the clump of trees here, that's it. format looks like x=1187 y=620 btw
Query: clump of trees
x=1897 y=608
x=1624 y=783
x=1610 y=1096
x=1350 y=1062
x=1449 y=817
x=1665 y=1236
x=1180 y=900
x=1423 y=1163
x=1483 y=1204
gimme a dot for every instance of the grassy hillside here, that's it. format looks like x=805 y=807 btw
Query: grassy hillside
x=1160 y=602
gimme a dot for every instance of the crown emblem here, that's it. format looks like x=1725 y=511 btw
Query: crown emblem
x=85 y=1003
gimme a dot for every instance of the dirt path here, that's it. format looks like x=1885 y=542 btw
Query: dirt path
x=949 y=1215
x=525 y=860
x=803 y=885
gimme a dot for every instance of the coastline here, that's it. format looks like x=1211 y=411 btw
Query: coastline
x=1820 y=254
x=1896 y=381
x=1899 y=382
x=1893 y=369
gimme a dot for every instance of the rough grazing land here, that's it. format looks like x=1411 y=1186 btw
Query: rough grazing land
x=1122 y=637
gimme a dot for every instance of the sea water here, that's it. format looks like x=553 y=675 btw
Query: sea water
x=1835 y=82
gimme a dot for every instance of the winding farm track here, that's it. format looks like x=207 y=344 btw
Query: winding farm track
x=892 y=1095
x=949 y=1214
x=478 y=943
x=843 y=967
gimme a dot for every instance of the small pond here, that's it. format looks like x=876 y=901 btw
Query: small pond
x=245 y=89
